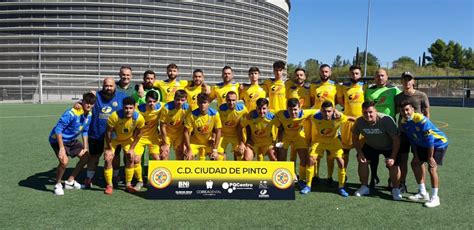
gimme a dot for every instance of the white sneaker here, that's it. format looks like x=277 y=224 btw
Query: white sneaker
x=420 y=197
x=72 y=185
x=434 y=202
x=58 y=190
x=362 y=191
x=396 y=195
x=138 y=186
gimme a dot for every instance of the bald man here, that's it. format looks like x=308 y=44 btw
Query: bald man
x=108 y=101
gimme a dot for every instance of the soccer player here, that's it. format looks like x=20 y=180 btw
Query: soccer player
x=64 y=143
x=148 y=81
x=196 y=87
x=381 y=137
x=275 y=88
x=219 y=90
x=250 y=93
x=123 y=128
x=323 y=90
x=172 y=117
x=108 y=101
x=292 y=121
x=351 y=95
x=125 y=83
x=260 y=124
x=429 y=145
x=202 y=131
x=230 y=114
x=298 y=88
x=169 y=86
x=150 y=138
x=325 y=126
x=421 y=105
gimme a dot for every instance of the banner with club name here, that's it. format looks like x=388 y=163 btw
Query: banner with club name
x=257 y=180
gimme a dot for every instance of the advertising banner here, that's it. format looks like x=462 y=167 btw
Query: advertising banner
x=258 y=180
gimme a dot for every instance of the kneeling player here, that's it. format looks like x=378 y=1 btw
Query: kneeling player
x=64 y=143
x=231 y=113
x=429 y=145
x=292 y=122
x=172 y=124
x=325 y=125
x=123 y=128
x=259 y=124
x=201 y=130
x=150 y=138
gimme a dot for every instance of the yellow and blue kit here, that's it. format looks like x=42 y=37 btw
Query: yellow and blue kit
x=250 y=94
x=230 y=123
x=168 y=88
x=201 y=129
x=174 y=117
x=72 y=123
x=422 y=132
x=219 y=91
x=323 y=91
x=276 y=93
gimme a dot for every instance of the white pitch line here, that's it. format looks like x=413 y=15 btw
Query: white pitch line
x=39 y=116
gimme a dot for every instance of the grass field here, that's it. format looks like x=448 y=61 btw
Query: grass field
x=27 y=200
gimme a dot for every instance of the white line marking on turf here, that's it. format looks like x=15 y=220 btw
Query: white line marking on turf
x=38 y=116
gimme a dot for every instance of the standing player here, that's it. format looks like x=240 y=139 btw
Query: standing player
x=64 y=143
x=148 y=81
x=202 y=131
x=325 y=126
x=196 y=87
x=383 y=94
x=124 y=85
x=297 y=88
x=172 y=117
x=123 y=128
x=108 y=101
x=275 y=88
x=169 y=86
x=230 y=114
x=260 y=123
x=250 y=93
x=421 y=105
x=292 y=121
x=381 y=137
x=150 y=112
x=220 y=89
x=323 y=90
x=429 y=145
x=351 y=96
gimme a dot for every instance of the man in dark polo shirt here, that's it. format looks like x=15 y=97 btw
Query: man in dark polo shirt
x=420 y=102
x=381 y=137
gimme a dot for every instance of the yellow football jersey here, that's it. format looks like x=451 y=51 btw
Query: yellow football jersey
x=201 y=126
x=294 y=126
x=220 y=90
x=231 y=118
x=124 y=127
x=276 y=94
x=168 y=88
x=151 y=119
x=353 y=97
x=260 y=127
x=192 y=92
x=174 y=117
x=325 y=131
x=302 y=93
x=250 y=94
x=323 y=91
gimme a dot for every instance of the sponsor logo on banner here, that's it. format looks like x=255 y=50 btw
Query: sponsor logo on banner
x=160 y=178
x=282 y=178
x=183 y=193
x=183 y=184
x=263 y=194
x=231 y=187
x=209 y=184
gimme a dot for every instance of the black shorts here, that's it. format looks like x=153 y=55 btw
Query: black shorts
x=438 y=154
x=96 y=147
x=373 y=154
x=405 y=145
x=73 y=148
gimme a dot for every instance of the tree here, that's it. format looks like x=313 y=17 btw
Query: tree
x=337 y=62
x=290 y=70
x=404 y=62
x=458 y=56
x=439 y=53
x=468 y=59
x=372 y=60
x=312 y=68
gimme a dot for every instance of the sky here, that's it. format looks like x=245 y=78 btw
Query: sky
x=322 y=29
